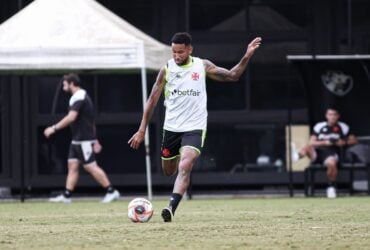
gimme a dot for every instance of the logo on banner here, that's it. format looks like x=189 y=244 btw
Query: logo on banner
x=337 y=82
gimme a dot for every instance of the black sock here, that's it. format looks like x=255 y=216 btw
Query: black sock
x=174 y=201
x=67 y=193
x=110 y=189
x=332 y=184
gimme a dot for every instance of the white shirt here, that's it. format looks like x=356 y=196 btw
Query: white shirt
x=185 y=96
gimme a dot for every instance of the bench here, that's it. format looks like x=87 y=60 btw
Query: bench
x=311 y=170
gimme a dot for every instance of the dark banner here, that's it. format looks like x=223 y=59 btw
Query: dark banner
x=343 y=84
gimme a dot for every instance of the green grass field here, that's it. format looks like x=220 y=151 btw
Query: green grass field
x=249 y=223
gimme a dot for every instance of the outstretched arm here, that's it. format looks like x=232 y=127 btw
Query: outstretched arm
x=138 y=137
x=224 y=75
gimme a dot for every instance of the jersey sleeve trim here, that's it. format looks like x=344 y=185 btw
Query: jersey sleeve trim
x=78 y=96
x=344 y=127
x=318 y=127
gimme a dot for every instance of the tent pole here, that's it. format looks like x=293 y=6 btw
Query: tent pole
x=146 y=139
x=23 y=135
x=290 y=169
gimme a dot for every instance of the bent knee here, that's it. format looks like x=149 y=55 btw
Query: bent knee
x=91 y=167
x=169 y=168
x=169 y=172
x=187 y=162
x=331 y=162
x=306 y=147
x=73 y=166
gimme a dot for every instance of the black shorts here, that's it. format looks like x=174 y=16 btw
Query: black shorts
x=82 y=152
x=173 y=142
x=324 y=153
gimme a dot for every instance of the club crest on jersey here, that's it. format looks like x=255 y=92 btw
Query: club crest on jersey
x=336 y=129
x=337 y=82
x=195 y=76
x=166 y=152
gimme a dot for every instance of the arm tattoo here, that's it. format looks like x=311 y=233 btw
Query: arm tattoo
x=152 y=100
x=222 y=74
x=157 y=86
x=155 y=94
x=154 y=89
x=217 y=73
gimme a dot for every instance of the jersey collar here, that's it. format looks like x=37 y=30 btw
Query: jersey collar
x=189 y=64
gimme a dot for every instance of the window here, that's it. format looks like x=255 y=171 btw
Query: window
x=50 y=90
x=206 y=15
x=119 y=93
x=231 y=147
x=282 y=15
x=270 y=91
x=226 y=96
x=112 y=93
x=1 y=127
x=360 y=26
x=116 y=158
x=140 y=13
x=53 y=152
x=360 y=15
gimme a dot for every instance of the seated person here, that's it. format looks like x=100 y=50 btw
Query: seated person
x=325 y=144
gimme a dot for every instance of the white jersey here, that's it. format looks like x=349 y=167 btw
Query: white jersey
x=185 y=96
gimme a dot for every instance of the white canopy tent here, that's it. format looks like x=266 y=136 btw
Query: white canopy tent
x=66 y=35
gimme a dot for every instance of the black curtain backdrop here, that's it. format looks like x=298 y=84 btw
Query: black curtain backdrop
x=342 y=83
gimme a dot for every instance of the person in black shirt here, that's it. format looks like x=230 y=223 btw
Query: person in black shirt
x=327 y=139
x=84 y=144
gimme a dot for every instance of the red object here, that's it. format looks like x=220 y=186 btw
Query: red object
x=166 y=152
x=336 y=129
x=195 y=76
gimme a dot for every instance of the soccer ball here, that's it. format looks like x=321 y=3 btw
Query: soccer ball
x=140 y=210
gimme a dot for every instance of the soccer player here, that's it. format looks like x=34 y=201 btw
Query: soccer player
x=183 y=80
x=324 y=146
x=84 y=144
